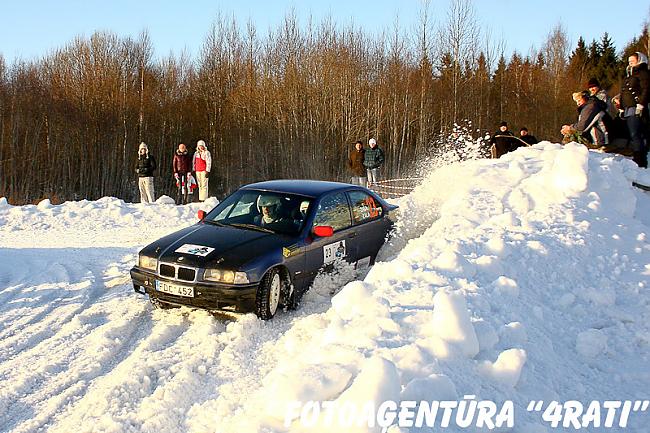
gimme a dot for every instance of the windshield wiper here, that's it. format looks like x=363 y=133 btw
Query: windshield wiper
x=252 y=227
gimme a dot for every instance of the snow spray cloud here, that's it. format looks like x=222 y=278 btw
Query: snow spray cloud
x=459 y=145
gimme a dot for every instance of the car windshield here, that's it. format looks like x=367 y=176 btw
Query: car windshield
x=263 y=211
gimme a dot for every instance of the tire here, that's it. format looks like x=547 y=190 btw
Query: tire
x=268 y=295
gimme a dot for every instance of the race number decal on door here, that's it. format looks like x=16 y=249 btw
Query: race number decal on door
x=333 y=252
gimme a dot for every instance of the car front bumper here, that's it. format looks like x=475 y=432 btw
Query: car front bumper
x=207 y=296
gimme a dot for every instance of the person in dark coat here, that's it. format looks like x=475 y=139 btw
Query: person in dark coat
x=144 y=168
x=593 y=85
x=634 y=106
x=373 y=159
x=590 y=128
x=503 y=141
x=528 y=138
x=182 y=173
x=355 y=163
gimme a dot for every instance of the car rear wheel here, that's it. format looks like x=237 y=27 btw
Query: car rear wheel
x=268 y=295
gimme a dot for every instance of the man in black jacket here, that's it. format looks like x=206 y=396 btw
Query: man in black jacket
x=144 y=167
x=634 y=105
x=503 y=141
x=527 y=137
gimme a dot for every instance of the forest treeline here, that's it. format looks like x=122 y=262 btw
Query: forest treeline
x=286 y=104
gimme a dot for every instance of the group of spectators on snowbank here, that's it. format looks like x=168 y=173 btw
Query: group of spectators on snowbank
x=504 y=141
x=619 y=123
x=183 y=166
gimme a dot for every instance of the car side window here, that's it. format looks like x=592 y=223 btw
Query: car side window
x=364 y=207
x=333 y=210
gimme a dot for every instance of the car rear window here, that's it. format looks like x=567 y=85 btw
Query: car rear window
x=364 y=207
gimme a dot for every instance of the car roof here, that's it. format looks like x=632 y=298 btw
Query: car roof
x=310 y=188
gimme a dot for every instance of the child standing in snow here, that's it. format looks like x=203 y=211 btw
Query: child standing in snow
x=182 y=167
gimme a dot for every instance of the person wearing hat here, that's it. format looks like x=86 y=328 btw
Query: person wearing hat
x=201 y=165
x=373 y=159
x=144 y=168
x=593 y=85
x=503 y=141
x=527 y=137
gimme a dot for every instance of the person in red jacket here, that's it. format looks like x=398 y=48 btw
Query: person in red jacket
x=201 y=165
x=182 y=172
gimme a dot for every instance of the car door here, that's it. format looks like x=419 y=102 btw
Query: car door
x=333 y=210
x=368 y=222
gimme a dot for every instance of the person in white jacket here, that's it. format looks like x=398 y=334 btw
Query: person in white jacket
x=201 y=165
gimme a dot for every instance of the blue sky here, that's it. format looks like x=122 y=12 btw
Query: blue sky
x=32 y=28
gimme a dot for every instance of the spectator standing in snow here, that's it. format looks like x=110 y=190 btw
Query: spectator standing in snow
x=144 y=168
x=373 y=159
x=201 y=165
x=634 y=105
x=182 y=168
x=590 y=128
x=526 y=137
x=355 y=163
x=503 y=141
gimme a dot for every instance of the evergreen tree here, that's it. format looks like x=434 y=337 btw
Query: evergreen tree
x=579 y=63
x=607 y=68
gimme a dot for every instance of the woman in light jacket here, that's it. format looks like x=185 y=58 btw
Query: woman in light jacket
x=201 y=165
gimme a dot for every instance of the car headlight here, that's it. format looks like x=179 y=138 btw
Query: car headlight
x=145 y=262
x=224 y=276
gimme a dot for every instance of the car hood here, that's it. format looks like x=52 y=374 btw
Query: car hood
x=205 y=245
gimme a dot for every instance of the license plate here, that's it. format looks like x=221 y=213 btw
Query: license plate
x=173 y=289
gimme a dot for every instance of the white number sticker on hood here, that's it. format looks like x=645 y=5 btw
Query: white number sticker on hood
x=196 y=250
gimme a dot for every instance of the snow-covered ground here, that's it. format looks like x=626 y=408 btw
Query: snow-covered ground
x=519 y=279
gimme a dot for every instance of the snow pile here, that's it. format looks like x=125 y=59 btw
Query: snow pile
x=523 y=278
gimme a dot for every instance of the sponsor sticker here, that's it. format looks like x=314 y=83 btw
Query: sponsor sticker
x=290 y=250
x=195 y=250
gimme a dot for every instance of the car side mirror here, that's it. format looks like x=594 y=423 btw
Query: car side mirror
x=323 y=231
x=201 y=215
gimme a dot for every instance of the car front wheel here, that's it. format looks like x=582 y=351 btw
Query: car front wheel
x=268 y=295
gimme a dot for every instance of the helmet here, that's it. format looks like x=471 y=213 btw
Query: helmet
x=267 y=200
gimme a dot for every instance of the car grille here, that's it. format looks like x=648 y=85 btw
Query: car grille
x=179 y=273
x=186 y=274
x=167 y=271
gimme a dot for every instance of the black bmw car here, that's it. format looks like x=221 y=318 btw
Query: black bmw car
x=262 y=246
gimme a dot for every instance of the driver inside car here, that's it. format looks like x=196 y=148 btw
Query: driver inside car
x=271 y=217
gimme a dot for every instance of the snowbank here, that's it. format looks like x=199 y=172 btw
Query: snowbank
x=523 y=278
